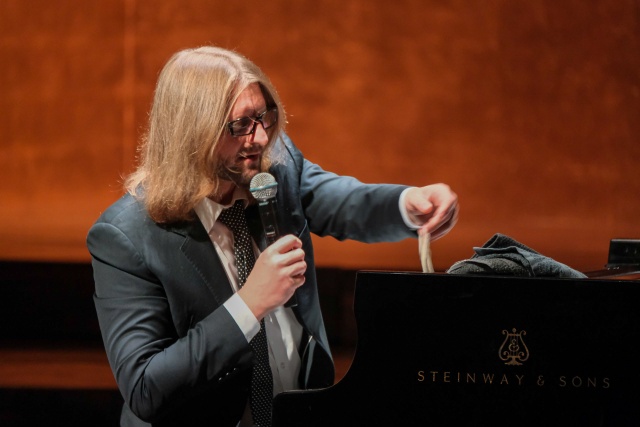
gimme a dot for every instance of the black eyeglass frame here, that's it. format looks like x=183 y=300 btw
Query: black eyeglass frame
x=255 y=120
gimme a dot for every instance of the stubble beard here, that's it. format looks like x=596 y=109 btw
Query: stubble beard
x=240 y=176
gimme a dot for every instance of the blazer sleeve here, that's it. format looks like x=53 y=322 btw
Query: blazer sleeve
x=156 y=370
x=345 y=208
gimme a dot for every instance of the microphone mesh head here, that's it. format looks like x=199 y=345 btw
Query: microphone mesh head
x=263 y=186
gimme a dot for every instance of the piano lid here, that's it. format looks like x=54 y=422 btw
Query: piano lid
x=438 y=349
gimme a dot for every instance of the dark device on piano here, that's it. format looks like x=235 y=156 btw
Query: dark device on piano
x=462 y=350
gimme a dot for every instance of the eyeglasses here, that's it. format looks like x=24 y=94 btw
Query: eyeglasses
x=247 y=125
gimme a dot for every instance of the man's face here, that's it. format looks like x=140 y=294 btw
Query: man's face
x=241 y=156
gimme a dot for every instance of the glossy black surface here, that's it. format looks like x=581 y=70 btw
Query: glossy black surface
x=430 y=352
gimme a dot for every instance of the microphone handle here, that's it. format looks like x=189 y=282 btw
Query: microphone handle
x=269 y=219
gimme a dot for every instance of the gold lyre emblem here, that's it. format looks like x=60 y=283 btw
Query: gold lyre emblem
x=513 y=350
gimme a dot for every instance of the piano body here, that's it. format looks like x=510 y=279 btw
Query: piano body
x=474 y=350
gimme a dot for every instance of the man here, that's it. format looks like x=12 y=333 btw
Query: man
x=179 y=317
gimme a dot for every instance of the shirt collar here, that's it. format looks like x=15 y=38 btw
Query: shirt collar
x=208 y=210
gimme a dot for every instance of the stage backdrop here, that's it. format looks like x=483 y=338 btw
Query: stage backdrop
x=529 y=110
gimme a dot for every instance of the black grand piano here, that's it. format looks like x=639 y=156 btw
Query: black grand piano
x=469 y=350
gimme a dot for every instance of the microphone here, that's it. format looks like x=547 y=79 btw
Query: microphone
x=264 y=188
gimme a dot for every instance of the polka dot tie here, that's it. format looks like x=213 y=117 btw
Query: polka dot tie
x=261 y=379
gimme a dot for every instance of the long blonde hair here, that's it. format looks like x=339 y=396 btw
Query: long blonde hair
x=193 y=99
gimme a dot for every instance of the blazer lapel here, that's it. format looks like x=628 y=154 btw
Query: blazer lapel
x=199 y=250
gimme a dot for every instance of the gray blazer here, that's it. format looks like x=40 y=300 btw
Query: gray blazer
x=177 y=356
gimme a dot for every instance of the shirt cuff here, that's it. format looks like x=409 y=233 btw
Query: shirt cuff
x=243 y=316
x=403 y=210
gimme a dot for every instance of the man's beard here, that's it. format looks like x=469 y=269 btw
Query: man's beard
x=239 y=176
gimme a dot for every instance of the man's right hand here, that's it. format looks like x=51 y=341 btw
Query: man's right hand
x=278 y=272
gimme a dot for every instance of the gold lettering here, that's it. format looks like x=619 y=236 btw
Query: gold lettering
x=488 y=378
x=459 y=377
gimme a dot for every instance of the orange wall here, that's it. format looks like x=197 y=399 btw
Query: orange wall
x=529 y=110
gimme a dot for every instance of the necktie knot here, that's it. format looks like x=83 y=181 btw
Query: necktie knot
x=233 y=216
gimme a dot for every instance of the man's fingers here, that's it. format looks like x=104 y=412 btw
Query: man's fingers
x=286 y=244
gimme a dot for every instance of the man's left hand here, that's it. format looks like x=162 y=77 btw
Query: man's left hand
x=434 y=208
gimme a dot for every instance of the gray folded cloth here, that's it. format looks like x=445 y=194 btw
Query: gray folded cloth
x=501 y=255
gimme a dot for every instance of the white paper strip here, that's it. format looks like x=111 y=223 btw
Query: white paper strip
x=425 y=251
